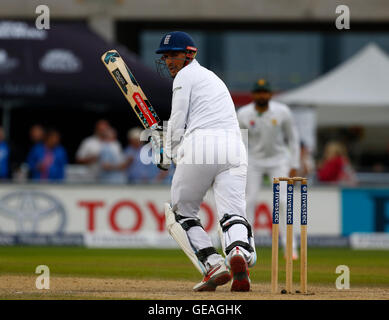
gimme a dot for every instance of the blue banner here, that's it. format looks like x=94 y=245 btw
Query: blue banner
x=365 y=210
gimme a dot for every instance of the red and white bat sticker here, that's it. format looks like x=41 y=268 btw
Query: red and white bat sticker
x=142 y=105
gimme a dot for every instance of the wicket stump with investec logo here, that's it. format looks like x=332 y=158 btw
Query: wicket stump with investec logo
x=289 y=234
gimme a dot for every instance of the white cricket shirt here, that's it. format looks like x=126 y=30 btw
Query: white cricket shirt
x=273 y=136
x=200 y=100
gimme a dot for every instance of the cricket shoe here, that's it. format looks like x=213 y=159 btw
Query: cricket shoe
x=216 y=276
x=239 y=271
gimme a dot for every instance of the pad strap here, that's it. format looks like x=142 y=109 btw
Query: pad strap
x=228 y=216
x=242 y=244
x=203 y=254
x=228 y=225
x=186 y=225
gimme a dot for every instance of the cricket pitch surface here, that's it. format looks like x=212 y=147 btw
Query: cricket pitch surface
x=23 y=287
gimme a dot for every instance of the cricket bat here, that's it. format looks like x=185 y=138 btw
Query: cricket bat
x=130 y=88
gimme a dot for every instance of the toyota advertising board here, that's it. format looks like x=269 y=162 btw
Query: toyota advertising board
x=128 y=216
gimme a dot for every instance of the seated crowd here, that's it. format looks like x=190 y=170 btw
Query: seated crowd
x=104 y=160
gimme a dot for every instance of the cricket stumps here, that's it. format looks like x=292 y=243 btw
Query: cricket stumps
x=289 y=234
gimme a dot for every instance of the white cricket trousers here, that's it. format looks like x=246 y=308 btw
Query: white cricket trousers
x=254 y=181
x=197 y=174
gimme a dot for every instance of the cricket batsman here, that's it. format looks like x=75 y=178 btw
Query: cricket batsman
x=274 y=146
x=203 y=111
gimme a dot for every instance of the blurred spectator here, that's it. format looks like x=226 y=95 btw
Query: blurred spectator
x=47 y=161
x=112 y=163
x=335 y=165
x=89 y=151
x=139 y=171
x=37 y=136
x=4 y=156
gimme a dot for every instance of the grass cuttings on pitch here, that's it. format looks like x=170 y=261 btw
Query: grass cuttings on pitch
x=366 y=267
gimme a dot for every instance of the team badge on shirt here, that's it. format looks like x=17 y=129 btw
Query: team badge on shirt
x=274 y=122
x=252 y=123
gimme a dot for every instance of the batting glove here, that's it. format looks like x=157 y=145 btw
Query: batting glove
x=157 y=148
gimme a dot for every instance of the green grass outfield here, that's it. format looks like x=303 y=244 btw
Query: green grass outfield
x=366 y=267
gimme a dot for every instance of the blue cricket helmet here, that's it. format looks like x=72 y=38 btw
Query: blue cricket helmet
x=176 y=41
